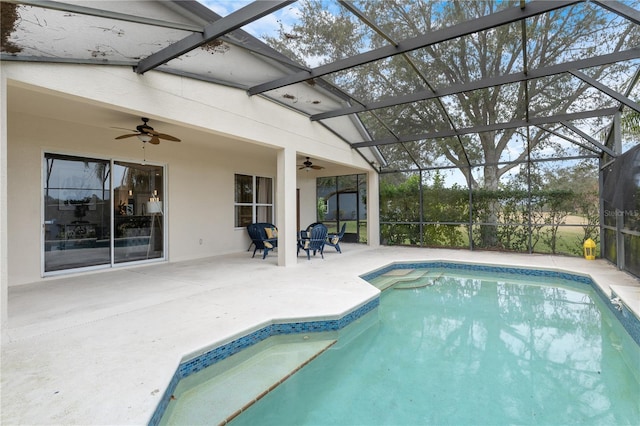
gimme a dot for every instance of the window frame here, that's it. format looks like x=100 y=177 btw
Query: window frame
x=254 y=204
x=111 y=264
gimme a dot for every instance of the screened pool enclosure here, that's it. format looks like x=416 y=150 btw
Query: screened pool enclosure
x=506 y=125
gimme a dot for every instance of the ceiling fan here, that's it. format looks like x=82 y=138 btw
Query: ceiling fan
x=145 y=133
x=308 y=165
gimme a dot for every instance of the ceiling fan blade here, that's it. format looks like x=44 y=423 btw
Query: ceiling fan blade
x=317 y=167
x=145 y=130
x=128 y=136
x=166 y=137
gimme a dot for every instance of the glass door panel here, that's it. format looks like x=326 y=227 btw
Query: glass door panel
x=77 y=213
x=342 y=200
x=139 y=212
x=362 y=210
x=348 y=207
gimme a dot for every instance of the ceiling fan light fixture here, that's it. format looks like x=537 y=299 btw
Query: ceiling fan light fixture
x=308 y=166
x=144 y=137
x=146 y=134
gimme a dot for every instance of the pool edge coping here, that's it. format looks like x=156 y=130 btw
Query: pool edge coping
x=604 y=288
x=621 y=313
x=241 y=340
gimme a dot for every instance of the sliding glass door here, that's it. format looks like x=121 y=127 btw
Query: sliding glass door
x=139 y=212
x=77 y=212
x=342 y=200
x=84 y=228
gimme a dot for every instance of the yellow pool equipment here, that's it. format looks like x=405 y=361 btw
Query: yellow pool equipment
x=589 y=249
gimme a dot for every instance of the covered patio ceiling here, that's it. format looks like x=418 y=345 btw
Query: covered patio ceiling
x=406 y=96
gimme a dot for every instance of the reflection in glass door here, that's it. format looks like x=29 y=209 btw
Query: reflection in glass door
x=342 y=200
x=139 y=212
x=77 y=214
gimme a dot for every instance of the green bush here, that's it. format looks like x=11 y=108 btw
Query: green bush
x=507 y=219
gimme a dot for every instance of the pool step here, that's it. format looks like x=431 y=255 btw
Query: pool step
x=219 y=393
x=408 y=276
x=418 y=282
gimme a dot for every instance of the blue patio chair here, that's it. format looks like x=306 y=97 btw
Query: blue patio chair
x=305 y=232
x=264 y=236
x=333 y=240
x=314 y=240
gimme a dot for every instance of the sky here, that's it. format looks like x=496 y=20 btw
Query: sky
x=270 y=24
x=266 y=25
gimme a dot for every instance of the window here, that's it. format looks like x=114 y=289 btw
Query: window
x=253 y=200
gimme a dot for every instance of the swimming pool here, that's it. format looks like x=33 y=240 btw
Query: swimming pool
x=468 y=346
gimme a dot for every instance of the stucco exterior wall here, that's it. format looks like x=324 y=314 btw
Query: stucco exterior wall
x=199 y=195
x=223 y=132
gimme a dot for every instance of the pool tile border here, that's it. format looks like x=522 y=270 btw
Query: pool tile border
x=224 y=351
x=627 y=318
x=477 y=267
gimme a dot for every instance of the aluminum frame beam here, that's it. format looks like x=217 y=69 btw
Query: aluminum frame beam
x=360 y=15
x=627 y=92
x=90 y=11
x=588 y=137
x=607 y=90
x=494 y=163
x=513 y=14
x=57 y=60
x=251 y=12
x=423 y=95
x=535 y=121
x=567 y=138
x=238 y=37
x=371 y=24
x=246 y=41
x=621 y=9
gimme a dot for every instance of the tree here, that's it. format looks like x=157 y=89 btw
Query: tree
x=631 y=123
x=580 y=31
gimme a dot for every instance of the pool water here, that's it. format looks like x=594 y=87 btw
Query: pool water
x=462 y=350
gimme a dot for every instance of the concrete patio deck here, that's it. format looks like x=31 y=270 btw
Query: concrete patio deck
x=101 y=348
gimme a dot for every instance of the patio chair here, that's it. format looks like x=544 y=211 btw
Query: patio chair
x=333 y=240
x=314 y=240
x=264 y=236
x=305 y=232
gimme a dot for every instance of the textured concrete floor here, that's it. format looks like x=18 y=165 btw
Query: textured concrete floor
x=101 y=348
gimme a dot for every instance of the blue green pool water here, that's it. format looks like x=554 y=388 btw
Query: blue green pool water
x=461 y=350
